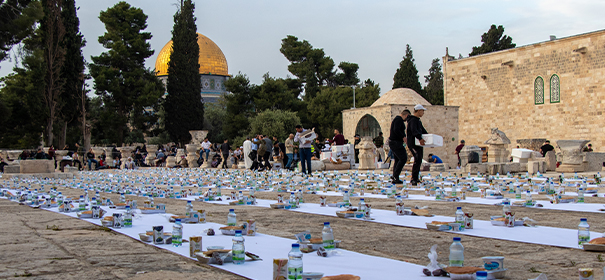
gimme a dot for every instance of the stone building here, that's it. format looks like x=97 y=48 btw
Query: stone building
x=440 y=120
x=213 y=68
x=551 y=90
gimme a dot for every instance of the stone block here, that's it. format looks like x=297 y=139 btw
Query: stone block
x=171 y=161
x=531 y=144
x=465 y=153
x=496 y=168
x=533 y=167
x=439 y=167
x=513 y=167
x=342 y=166
x=475 y=168
x=594 y=161
x=70 y=169
x=551 y=161
x=570 y=168
x=37 y=166
x=315 y=165
x=523 y=167
x=12 y=169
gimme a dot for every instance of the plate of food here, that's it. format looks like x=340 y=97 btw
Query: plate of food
x=230 y=230
x=596 y=245
x=345 y=214
x=463 y=272
x=437 y=225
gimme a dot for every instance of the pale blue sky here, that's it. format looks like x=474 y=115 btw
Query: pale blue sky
x=370 y=33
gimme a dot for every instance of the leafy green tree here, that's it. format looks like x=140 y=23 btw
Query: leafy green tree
x=239 y=105
x=184 y=107
x=325 y=110
x=407 y=74
x=348 y=77
x=131 y=93
x=53 y=32
x=310 y=65
x=18 y=20
x=72 y=72
x=22 y=110
x=493 y=40
x=214 y=118
x=275 y=94
x=274 y=123
x=434 y=84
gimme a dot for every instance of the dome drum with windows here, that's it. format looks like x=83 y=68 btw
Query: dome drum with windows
x=213 y=68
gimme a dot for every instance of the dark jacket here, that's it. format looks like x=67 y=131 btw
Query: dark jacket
x=397 y=129
x=415 y=130
x=225 y=148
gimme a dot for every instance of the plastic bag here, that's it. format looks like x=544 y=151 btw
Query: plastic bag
x=434 y=264
x=542 y=276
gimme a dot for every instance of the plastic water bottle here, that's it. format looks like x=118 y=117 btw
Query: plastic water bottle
x=292 y=200
x=505 y=208
x=177 y=233
x=518 y=192
x=456 y=253
x=583 y=233
x=454 y=190
x=238 y=250
x=127 y=217
x=528 y=199
x=231 y=218
x=188 y=208
x=361 y=207
x=580 y=195
x=481 y=275
x=82 y=204
x=60 y=199
x=328 y=237
x=460 y=217
x=295 y=262
x=122 y=198
x=345 y=198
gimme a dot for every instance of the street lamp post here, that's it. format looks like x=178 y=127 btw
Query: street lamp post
x=353 y=87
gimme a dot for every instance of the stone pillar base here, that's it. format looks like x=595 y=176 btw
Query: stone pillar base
x=569 y=168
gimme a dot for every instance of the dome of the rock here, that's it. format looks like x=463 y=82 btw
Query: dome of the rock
x=212 y=60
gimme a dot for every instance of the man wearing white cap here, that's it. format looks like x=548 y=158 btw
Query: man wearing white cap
x=415 y=130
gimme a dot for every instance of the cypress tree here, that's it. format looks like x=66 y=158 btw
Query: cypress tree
x=407 y=74
x=184 y=106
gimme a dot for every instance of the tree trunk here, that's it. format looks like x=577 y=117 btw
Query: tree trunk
x=49 y=129
x=62 y=137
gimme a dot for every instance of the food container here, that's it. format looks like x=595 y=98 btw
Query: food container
x=230 y=230
x=210 y=248
x=117 y=220
x=496 y=274
x=586 y=274
x=499 y=221
x=145 y=237
x=345 y=214
x=195 y=245
x=493 y=263
x=456 y=226
x=440 y=227
x=431 y=140
x=251 y=227
x=158 y=235
x=277 y=205
x=312 y=275
x=280 y=269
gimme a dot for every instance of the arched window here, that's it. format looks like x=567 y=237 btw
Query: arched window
x=368 y=126
x=555 y=89
x=539 y=91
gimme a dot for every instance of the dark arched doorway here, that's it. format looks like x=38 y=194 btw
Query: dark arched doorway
x=368 y=126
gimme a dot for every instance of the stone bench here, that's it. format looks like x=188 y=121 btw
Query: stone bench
x=37 y=166
x=12 y=169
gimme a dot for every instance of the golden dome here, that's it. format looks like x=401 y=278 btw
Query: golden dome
x=212 y=60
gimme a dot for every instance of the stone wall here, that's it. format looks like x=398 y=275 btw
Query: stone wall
x=497 y=90
x=440 y=120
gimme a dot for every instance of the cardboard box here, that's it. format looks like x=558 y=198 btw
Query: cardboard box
x=431 y=140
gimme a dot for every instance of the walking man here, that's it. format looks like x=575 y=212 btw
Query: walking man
x=289 y=150
x=225 y=149
x=379 y=142
x=414 y=131
x=397 y=141
x=305 y=139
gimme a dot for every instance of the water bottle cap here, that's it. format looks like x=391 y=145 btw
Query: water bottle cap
x=583 y=220
x=326 y=223
x=127 y=207
x=482 y=273
x=178 y=220
x=238 y=232
x=188 y=201
x=458 y=208
x=231 y=210
x=457 y=239
x=81 y=196
x=506 y=203
x=361 y=199
x=295 y=245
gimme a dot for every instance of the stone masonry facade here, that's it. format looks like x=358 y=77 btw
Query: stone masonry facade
x=502 y=89
x=440 y=120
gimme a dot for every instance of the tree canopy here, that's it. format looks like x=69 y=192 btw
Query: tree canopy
x=433 y=91
x=131 y=93
x=18 y=20
x=406 y=75
x=183 y=106
x=493 y=40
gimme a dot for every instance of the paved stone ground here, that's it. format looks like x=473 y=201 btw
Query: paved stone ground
x=45 y=245
x=81 y=250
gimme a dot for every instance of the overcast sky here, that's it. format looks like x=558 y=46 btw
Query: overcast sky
x=372 y=34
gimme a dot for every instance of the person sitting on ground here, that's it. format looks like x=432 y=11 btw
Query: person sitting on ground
x=40 y=154
x=161 y=158
x=138 y=159
x=182 y=163
x=102 y=164
x=90 y=157
x=547 y=147
x=216 y=160
x=76 y=159
x=434 y=159
x=130 y=164
x=237 y=155
x=588 y=148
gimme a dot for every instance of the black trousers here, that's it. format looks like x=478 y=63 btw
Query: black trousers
x=417 y=152
x=400 y=157
x=266 y=157
x=225 y=157
x=254 y=159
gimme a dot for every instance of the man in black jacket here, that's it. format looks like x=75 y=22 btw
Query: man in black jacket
x=225 y=150
x=397 y=145
x=415 y=131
